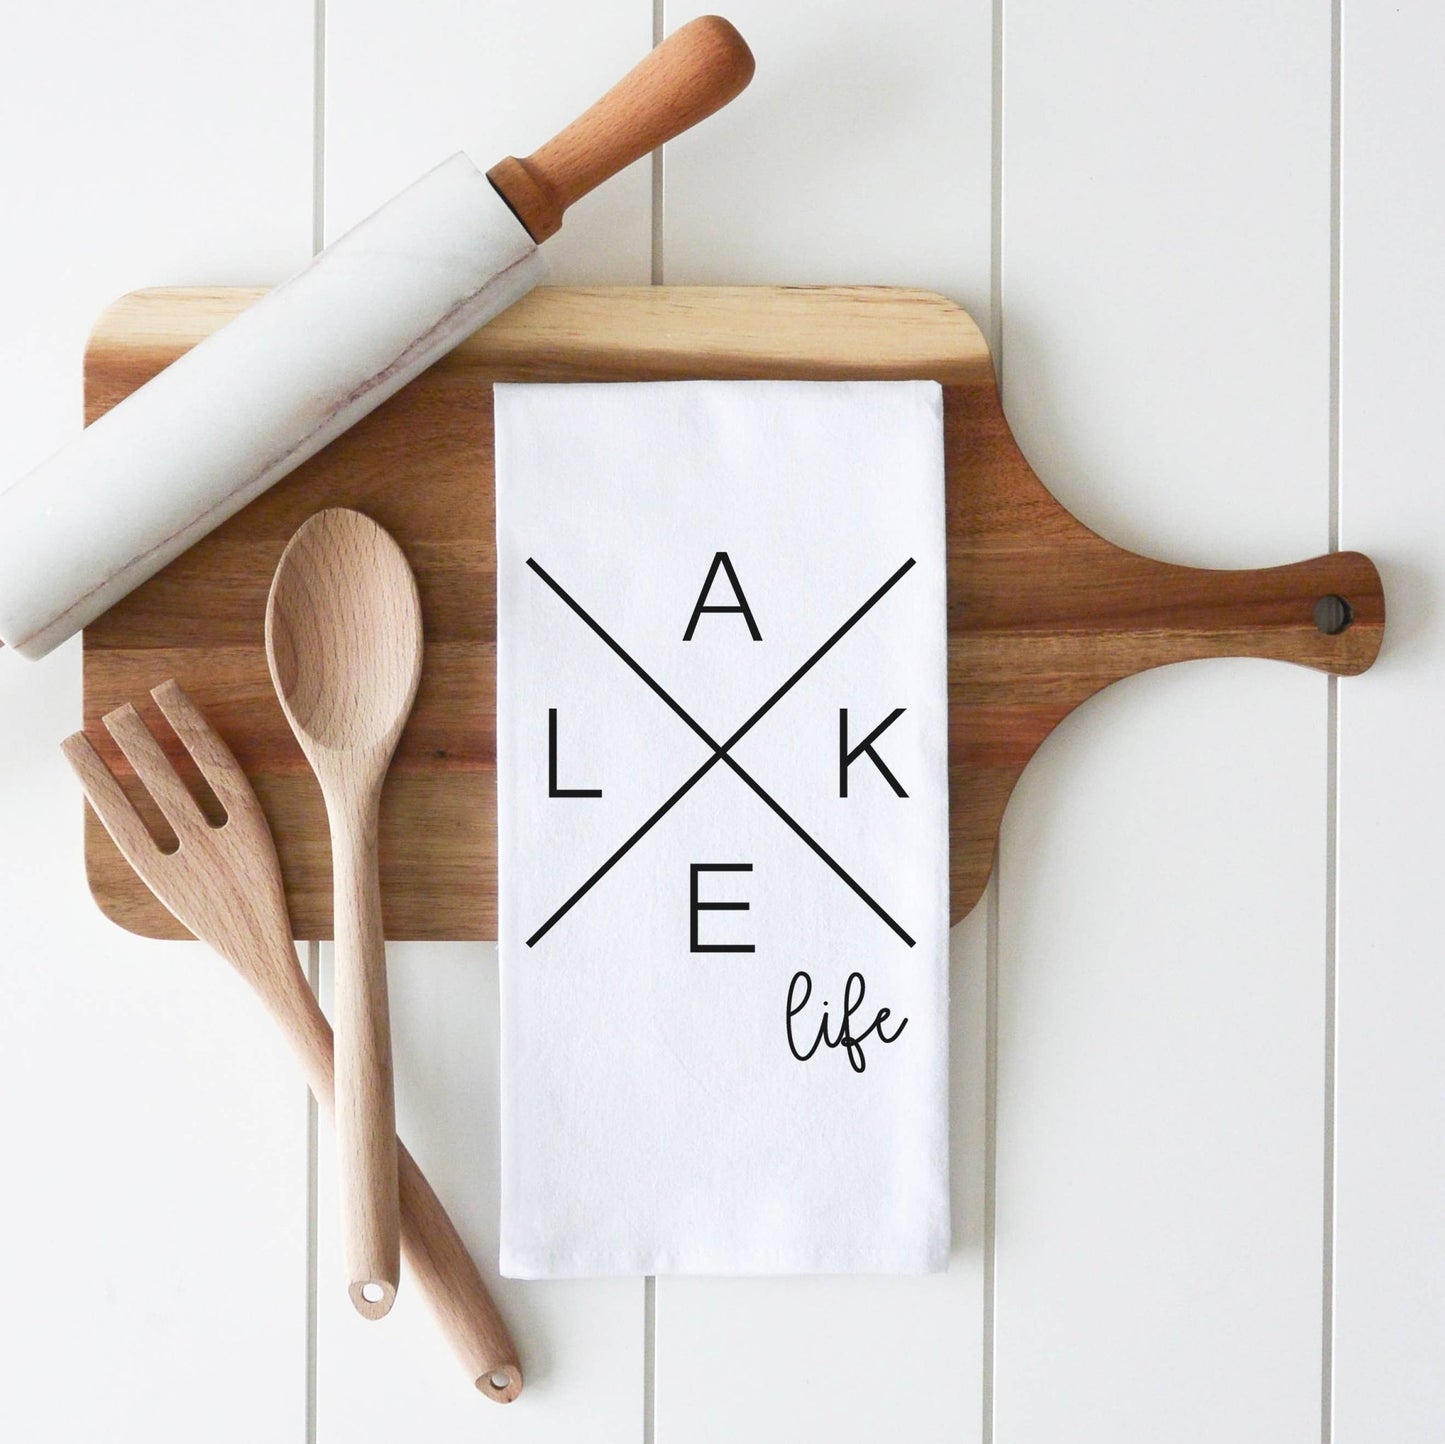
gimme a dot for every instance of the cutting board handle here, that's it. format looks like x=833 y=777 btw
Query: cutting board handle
x=695 y=71
x=1327 y=613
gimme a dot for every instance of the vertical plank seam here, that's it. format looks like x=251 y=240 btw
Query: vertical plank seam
x=1336 y=166
x=649 y=1359
x=649 y=1284
x=1327 y=1249
x=313 y=974
x=988 y=1362
x=1332 y=764
x=313 y=949
x=990 y=1149
x=318 y=129
x=995 y=276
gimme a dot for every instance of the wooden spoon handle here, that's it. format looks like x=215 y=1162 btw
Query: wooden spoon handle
x=696 y=70
x=445 y=1271
x=433 y=1249
x=365 y=1109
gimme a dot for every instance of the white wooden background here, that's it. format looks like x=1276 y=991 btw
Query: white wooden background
x=1199 y=1071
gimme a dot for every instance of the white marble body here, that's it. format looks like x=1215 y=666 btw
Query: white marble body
x=186 y=451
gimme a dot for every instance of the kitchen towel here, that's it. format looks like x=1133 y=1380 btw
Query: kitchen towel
x=722 y=724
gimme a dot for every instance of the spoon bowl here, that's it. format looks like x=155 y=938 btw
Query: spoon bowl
x=343 y=581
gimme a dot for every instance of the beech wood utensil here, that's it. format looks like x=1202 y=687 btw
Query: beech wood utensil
x=223 y=883
x=344 y=643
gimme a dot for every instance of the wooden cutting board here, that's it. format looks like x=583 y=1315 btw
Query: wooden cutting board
x=1042 y=612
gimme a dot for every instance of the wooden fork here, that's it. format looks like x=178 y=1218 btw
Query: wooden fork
x=224 y=884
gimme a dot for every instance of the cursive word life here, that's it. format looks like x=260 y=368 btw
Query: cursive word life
x=801 y=989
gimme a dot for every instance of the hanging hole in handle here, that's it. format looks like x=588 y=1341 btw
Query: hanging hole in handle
x=503 y=1383
x=1333 y=614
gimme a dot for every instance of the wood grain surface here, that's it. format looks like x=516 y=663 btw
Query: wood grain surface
x=1043 y=613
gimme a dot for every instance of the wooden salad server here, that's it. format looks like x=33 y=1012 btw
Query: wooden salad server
x=223 y=883
x=344 y=643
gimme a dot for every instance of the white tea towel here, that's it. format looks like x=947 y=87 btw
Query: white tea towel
x=722 y=723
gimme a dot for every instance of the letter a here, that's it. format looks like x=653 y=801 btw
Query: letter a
x=740 y=605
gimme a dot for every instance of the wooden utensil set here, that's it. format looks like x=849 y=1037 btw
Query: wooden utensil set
x=343 y=636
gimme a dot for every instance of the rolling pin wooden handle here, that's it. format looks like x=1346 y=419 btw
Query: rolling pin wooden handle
x=695 y=71
x=365 y=1111
x=439 y=1260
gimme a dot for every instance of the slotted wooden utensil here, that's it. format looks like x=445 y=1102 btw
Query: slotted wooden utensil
x=223 y=883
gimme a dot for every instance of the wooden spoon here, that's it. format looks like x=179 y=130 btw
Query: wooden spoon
x=344 y=642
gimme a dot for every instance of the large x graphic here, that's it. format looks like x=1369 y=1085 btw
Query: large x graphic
x=721 y=752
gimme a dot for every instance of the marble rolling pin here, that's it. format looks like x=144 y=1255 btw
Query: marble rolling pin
x=257 y=398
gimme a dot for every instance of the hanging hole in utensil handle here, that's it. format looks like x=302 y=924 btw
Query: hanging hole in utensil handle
x=502 y=1384
x=1333 y=614
x=373 y=1298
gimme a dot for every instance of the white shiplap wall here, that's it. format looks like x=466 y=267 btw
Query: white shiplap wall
x=1163 y=973
x=1389 y=1263
x=1199 y=1160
